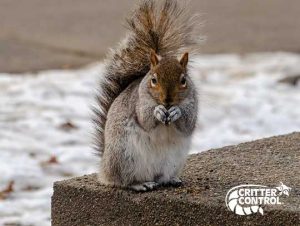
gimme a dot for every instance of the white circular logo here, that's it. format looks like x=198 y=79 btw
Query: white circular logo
x=248 y=199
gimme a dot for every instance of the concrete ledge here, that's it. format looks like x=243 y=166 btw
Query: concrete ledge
x=200 y=201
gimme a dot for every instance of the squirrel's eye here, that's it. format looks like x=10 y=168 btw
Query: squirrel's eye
x=153 y=82
x=183 y=81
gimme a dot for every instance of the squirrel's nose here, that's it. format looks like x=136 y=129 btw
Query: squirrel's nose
x=166 y=99
x=168 y=102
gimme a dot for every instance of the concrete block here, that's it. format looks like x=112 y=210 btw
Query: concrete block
x=201 y=200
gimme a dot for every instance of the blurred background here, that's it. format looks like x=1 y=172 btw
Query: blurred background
x=51 y=55
x=39 y=34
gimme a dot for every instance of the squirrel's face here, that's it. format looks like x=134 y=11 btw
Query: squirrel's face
x=167 y=80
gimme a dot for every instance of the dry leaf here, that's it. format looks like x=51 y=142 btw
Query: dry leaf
x=9 y=189
x=67 y=126
x=50 y=161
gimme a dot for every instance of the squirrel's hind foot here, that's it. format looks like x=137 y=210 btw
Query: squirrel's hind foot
x=173 y=182
x=146 y=186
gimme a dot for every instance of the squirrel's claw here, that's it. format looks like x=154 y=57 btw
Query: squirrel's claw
x=174 y=114
x=161 y=113
x=167 y=116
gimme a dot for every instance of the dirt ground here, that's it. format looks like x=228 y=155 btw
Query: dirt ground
x=39 y=34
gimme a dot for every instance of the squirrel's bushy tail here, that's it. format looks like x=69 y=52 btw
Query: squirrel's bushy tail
x=164 y=27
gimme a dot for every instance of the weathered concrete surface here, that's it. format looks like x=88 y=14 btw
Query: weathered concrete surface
x=39 y=34
x=207 y=178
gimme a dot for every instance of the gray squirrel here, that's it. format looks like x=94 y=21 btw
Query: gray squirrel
x=147 y=103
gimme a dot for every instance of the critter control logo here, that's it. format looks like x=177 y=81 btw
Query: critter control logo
x=248 y=199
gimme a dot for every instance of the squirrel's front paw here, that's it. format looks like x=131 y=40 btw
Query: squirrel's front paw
x=161 y=113
x=174 y=114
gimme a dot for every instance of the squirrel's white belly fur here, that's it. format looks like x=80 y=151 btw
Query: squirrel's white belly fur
x=160 y=153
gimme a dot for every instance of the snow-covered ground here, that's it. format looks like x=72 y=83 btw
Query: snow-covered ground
x=45 y=121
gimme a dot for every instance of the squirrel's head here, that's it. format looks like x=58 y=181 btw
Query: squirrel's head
x=167 y=79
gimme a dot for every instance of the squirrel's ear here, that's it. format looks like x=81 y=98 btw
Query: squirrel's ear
x=184 y=60
x=153 y=58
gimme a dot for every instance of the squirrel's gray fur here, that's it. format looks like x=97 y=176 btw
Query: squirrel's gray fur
x=143 y=135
